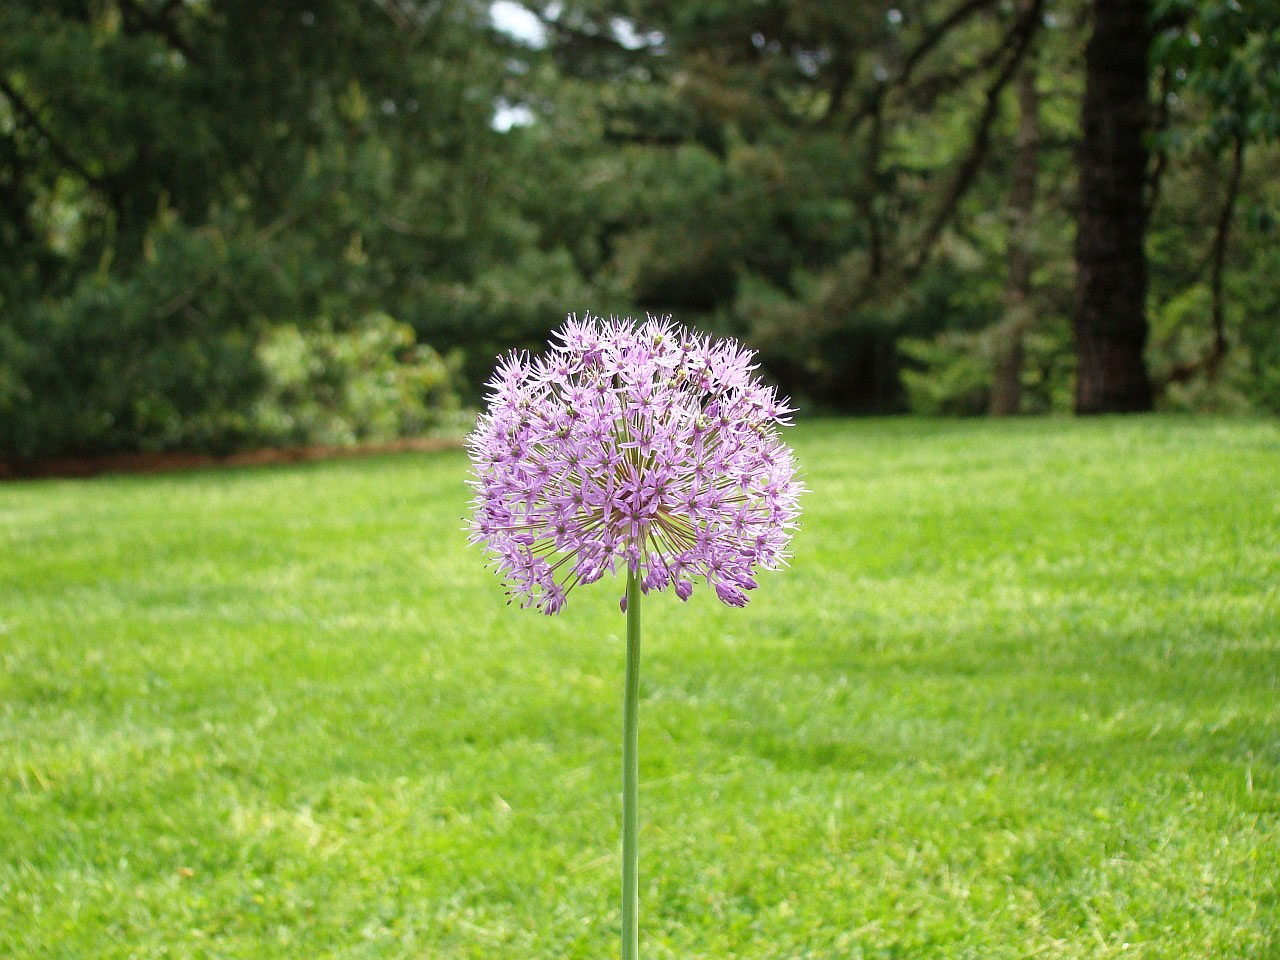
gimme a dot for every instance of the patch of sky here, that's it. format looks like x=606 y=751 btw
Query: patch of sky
x=518 y=22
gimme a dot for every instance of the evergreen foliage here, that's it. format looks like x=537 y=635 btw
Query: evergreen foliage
x=826 y=181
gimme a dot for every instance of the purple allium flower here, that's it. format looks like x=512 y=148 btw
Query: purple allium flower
x=632 y=443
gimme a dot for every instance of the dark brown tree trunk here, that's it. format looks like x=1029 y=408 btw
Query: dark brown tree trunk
x=1111 y=280
x=1006 y=389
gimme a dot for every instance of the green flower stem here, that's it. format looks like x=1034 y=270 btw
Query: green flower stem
x=631 y=778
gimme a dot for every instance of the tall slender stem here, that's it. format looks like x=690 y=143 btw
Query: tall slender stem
x=631 y=777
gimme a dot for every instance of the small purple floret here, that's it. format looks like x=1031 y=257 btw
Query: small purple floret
x=637 y=446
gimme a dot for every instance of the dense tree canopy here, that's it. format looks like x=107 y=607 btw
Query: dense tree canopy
x=200 y=200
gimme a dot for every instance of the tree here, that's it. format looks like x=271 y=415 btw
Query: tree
x=1006 y=388
x=828 y=157
x=176 y=179
x=1111 y=264
x=1217 y=66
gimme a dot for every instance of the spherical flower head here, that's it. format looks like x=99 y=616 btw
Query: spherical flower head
x=636 y=445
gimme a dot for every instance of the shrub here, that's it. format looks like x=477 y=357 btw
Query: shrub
x=952 y=373
x=368 y=384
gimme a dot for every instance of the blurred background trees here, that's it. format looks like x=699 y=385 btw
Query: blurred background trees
x=228 y=223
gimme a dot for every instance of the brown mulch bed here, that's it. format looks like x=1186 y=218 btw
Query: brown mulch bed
x=90 y=466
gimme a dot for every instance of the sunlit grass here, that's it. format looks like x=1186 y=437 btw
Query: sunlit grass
x=1019 y=695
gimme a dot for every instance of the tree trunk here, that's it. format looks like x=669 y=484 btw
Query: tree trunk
x=1006 y=390
x=1111 y=266
x=1220 y=237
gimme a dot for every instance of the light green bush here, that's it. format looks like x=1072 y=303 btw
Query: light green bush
x=370 y=383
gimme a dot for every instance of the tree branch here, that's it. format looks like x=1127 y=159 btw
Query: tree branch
x=1220 y=238
x=394 y=14
x=158 y=22
x=1211 y=362
x=925 y=92
x=1162 y=153
x=65 y=156
x=931 y=39
x=1023 y=32
x=875 y=238
x=1020 y=37
x=187 y=297
x=933 y=36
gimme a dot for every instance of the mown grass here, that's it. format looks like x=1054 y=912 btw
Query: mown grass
x=1018 y=696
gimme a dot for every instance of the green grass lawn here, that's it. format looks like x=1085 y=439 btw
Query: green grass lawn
x=1018 y=696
